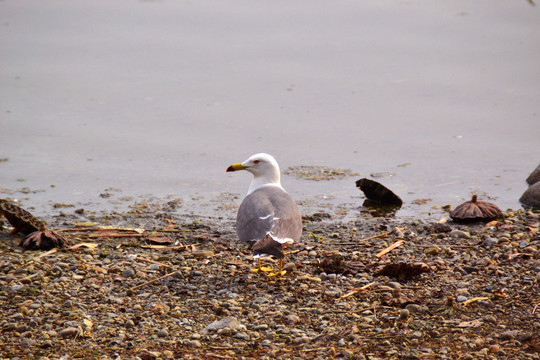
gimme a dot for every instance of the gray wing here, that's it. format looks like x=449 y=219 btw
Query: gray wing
x=269 y=211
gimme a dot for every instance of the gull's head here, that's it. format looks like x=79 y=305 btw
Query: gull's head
x=264 y=168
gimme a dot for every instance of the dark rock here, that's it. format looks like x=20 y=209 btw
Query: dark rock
x=378 y=192
x=531 y=196
x=534 y=177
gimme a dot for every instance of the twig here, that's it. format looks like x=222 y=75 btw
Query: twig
x=139 y=258
x=153 y=281
x=535 y=306
x=377 y=236
x=390 y=248
x=470 y=301
x=218 y=356
x=179 y=247
x=355 y=291
x=50 y=252
x=114 y=235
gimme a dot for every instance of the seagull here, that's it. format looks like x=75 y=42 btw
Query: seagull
x=268 y=216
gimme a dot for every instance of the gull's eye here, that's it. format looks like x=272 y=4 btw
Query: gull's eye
x=256 y=161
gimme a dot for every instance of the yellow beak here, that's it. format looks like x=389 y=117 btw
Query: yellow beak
x=236 y=167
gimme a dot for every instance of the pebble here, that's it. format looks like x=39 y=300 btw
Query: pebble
x=293 y=319
x=414 y=308
x=127 y=273
x=460 y=234
x=129 y=324
x=163 y=333
x=404 y=314
x=508 y=335
x=69 y=332
x=289 y=267
x=461 y=298
x=229 y=322
x=242 y=335
x=489 y=241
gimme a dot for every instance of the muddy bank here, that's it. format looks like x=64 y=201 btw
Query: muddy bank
x=154 y=283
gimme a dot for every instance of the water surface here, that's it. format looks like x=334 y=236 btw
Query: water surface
x=159 y=97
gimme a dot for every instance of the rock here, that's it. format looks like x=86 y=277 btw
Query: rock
x=293 y=319
x=508 y=335
x=127 y=273
x=404 y=314
x=524 y=337
x=149 y=355
x=69 y=332
x=489 y=241
x=531 y=196
x=460 y=234
x=289 y=267
x=242 y=335
x=17 y=287
x=229 y=322
x=461 y=298
x=129 y=324
x=194 y=343
x=534 y=177
x=163 y=333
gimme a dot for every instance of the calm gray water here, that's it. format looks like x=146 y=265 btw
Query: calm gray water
x=159 y=97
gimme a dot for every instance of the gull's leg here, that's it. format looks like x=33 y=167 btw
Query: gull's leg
x=260 y=268
x=281 y=272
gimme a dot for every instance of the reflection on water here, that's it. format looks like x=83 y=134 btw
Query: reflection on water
x=159 y=97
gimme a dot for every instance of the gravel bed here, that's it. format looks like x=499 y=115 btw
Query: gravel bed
x=181 y=289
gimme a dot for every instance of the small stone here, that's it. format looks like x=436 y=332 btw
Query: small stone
x=242 y=335
x=394 y=285
x=461 y=298
x=289 y=267
x=163 y=333
x=195 y=336
x=129 y=324
x=494 y=348
x=229 y=322
x=524 y=337
x=347 y=354
x=341 y=342
x=414 y=308
x=17 y=287
x=46 y=344
x=508 y=335
x=127 y=273
x=167 y=354
x=489 y=241
x=293 y=319
x=69 y=332
x=266 y=343
x=416 y=335
x=434 y=250
x=194 y=343
x=460 y=234
x=404 y=314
